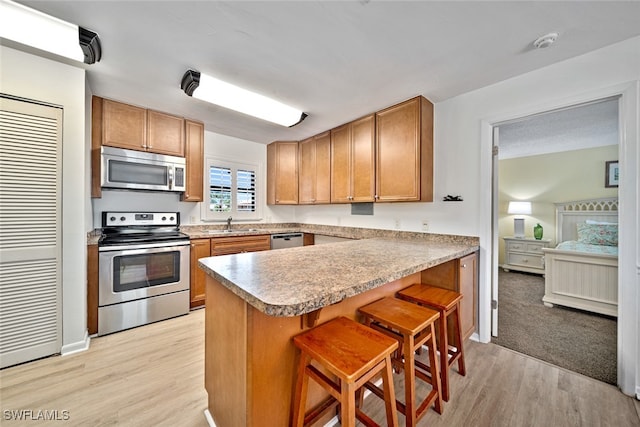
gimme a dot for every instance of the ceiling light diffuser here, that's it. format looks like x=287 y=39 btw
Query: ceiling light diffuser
x=210 y=89
x=33 y=28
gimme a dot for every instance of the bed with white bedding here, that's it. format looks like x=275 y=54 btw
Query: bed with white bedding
x=582 y=270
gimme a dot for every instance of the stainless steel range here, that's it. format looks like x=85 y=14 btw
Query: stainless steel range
x=143 y=269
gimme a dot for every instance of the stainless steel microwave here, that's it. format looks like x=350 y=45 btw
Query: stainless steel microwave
x=138 y=170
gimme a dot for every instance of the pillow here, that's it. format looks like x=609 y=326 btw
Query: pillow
x=590 y=221
x=598 y=234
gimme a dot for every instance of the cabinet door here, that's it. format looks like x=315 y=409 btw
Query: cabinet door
x=307 y=172
x=165 y=134
x=200 y=248
x=323 y=167
x=468 y=285
x=239 y=244
x=398 y=155
x=404 y=147
x=124 y=126
x=194 y=154
x=363 y=159
x=341 y=164
x=282 y=173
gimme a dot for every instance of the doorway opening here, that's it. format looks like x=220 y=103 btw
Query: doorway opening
x=542 y=161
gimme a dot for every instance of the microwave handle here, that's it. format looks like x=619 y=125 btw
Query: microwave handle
x=170 y=170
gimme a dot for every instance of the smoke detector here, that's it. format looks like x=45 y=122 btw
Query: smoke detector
x=545 y=41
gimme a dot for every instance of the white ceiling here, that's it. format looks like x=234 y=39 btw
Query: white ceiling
x=336 y=60
x=583 y=126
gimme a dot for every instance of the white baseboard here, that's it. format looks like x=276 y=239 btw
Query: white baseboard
x=209 y=418
x=76 y=347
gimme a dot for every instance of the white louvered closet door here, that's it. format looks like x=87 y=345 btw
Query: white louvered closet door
x=30 y=237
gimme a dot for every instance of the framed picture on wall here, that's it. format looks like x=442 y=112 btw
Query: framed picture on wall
x=611 y=174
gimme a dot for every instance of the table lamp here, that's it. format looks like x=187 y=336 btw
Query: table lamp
x=519 y=208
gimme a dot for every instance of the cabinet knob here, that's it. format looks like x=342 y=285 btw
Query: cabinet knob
x=464 y=265
x=376 y=197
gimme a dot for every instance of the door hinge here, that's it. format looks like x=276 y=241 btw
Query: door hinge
x=494 y=304
x=495 y=150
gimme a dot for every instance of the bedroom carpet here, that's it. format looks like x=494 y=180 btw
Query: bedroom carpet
x=576 y=340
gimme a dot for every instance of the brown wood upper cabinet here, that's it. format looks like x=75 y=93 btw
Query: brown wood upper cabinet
x=315 y=169
x=126 y=126
x=194 y=156
x=353 y=161
x=282 y=173
x=135 y=128
x=404 y=152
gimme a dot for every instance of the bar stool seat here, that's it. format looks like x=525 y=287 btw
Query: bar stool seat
x=448 y=305
x=354 y=354
x=412 y=326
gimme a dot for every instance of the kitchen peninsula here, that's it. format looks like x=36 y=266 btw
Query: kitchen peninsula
x=255 y=303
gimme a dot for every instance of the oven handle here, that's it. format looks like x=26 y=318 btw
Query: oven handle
x=143 y=246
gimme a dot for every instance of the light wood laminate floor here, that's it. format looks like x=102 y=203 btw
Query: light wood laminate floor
x=154 y=376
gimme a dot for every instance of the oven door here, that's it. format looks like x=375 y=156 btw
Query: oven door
x=141 y=271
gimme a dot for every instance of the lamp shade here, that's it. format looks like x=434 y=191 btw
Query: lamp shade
x=519 y=208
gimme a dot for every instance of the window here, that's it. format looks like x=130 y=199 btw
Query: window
x=231 y=190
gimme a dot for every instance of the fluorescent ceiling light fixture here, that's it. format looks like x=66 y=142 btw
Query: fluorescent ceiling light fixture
x=235 y=98
x=33 y=28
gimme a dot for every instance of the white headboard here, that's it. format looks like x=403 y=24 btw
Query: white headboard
x=568 y=214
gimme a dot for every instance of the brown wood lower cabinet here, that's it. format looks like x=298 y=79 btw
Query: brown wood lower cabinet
x=202 y=248
x=239 y=244
x=92 y=289
x=460 y=275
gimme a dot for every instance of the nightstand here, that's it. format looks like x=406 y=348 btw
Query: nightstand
x=524 y=254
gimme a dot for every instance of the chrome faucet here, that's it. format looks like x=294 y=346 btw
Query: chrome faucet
x=228 y=228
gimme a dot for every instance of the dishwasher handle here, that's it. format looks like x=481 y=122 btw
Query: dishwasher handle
x=285 y=236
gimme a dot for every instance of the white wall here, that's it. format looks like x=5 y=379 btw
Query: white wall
x=33 y=77
x=463 y=126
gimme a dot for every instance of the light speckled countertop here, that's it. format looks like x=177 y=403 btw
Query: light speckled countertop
x=295 y=281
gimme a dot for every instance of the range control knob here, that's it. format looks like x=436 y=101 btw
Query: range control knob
x=164 y=218
x=122 y=218
x=171 y=218
x=113 y=218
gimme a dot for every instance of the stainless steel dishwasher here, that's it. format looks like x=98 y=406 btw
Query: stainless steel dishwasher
x=286 y=240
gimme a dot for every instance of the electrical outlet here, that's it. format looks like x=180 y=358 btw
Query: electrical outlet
x=397 y=224
x=192 y=219
x=425 y=225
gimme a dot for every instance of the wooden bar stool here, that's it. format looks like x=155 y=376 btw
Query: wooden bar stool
x=448 y=304
x=412 y=326
x=354 y=354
